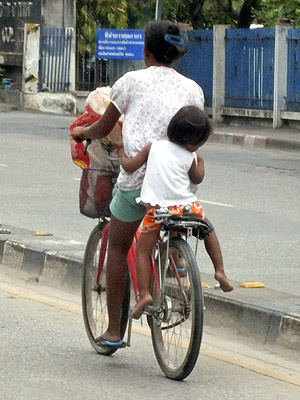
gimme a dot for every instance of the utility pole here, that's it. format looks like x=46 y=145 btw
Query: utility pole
x=158 y=10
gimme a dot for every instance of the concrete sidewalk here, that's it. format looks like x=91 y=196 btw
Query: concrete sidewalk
x=285 y=139
x=249 y=136
x=261 y=316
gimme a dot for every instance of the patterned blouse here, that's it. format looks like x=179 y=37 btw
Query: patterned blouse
x=149 y=98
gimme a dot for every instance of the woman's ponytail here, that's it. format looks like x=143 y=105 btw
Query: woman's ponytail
x=165 y=41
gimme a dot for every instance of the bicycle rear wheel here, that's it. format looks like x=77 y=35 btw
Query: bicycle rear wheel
x=177 y=333
x=93 y=292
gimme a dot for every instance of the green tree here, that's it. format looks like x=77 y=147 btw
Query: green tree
x=93 y=14
x=274 y=11
x=200 y=14
x=203 y=14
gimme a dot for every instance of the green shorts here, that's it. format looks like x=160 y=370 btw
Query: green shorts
x=124 y=206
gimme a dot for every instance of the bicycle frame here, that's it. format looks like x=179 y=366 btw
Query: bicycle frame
x=131 y=259
x=156 y=270
x=177 y=295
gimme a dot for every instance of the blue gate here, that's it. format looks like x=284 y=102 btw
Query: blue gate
x=197 y=64
x=249 y=68
x=56 y=45
x=293 y=71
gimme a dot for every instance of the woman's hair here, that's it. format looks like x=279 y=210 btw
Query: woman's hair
x=190 y=125
x=165 y=41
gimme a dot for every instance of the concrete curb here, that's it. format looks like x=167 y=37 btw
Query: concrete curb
x=46 y=266
x=252 y=141
x=254 y=322
x=259 y=325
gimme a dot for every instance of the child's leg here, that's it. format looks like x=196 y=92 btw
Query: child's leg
x=144 y=249
x=213 y=249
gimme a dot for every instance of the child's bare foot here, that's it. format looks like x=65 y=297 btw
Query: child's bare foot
x=141 y=303
x=225 y=285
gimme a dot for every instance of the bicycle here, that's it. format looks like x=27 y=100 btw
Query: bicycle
x=176 y=314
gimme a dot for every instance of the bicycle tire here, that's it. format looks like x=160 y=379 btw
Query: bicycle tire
x=177 y=341
x=94 y=307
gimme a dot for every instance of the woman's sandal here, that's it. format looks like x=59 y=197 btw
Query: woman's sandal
x=116 y=344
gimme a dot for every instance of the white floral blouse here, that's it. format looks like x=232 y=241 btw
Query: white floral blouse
x=149 y=98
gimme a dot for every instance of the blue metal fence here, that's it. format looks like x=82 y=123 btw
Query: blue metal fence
x=249 y=67
x=293 y=71
x=56 y=45
x=197 y=64
x=249 y=75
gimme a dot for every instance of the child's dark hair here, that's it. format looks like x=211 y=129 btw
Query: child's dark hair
x=190 y=125
x=165 y=41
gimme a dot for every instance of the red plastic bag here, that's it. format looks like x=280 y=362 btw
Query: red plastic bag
x=96 y=104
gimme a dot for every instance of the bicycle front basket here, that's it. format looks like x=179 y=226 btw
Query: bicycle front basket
x=95 y=194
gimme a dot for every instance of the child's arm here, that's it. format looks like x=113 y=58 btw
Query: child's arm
x=132 y=164
x=196 y=172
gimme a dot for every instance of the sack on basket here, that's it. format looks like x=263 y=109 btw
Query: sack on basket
x=100 y=166
x=95 y=194
x=95 y=106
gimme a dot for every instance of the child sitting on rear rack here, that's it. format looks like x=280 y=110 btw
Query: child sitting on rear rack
x=172 y=165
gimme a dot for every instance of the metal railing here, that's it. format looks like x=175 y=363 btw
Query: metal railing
x=55 y=48
x=293 y=71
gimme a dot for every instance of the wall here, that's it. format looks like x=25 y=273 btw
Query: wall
x=59 y=13
x=14 y=16
x=59 y=103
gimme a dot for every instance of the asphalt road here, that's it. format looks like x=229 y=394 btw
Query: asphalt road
x=45 y=354
x=251 y=196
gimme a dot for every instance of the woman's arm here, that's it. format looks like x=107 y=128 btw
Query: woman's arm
x=132 y=164
x=100 y=128
x=196 y=172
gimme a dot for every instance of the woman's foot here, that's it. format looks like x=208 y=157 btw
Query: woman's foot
x=141 y=303
x=109 y=336
x=115 y=344
x=225 y=285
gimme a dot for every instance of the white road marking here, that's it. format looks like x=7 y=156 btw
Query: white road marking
x=216 y=204
x=3 y=165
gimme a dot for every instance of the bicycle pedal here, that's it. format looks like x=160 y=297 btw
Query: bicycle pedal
x=147 y=312
x=152 y=309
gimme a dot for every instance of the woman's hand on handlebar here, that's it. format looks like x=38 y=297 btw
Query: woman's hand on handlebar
x=79 y=134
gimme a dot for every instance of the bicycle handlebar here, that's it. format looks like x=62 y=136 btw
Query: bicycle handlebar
x=87 y=143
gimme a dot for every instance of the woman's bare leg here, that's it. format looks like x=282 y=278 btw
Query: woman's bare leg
x=120 y=237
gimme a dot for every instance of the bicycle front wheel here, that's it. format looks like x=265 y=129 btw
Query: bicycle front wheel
x=177 y=333
x=93 y=291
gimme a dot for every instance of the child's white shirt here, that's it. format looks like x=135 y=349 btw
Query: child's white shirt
x=149 y=98
x=166 y=181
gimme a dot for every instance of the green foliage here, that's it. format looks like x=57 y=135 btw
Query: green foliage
x=93 y=14
x=200 y=14
x=274 y=11
x=140 y=12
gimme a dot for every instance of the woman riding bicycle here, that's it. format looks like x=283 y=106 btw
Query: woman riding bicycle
x=148 y=98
